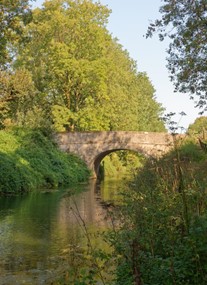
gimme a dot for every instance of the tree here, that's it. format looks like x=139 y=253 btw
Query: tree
x=89 y=81
x=148 y=108
x=20 y=103
x=185 y=23
x=199 y=127
x=66 y=54
x=13 y=15
x=132 y=105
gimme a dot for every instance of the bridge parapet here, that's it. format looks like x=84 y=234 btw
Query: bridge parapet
x=92 y=147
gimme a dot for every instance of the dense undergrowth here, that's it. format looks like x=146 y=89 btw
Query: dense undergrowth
x=29 y=159
x=162 y=238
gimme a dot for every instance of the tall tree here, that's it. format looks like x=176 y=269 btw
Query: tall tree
x=185 y=23
x=13 y=15
x=132 y=104
x=89 y=81
x=66 y=53
x=20 y=103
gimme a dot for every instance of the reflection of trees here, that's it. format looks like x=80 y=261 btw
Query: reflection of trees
x=40 y=231
x=87 y=206
x=112 y=189
x=28 y=229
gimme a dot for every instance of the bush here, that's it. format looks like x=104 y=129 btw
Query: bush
x=30 y=159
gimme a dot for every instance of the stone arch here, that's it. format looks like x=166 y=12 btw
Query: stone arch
x=93 y=146
x=97 y=160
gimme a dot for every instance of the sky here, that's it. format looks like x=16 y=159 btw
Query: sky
x=128 y=23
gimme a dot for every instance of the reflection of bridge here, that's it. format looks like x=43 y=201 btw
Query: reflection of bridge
x=92 y=147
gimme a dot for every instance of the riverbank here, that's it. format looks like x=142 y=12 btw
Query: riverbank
x=29 y=159
x=162 y=238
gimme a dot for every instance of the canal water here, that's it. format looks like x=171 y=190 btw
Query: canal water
x=42 y=233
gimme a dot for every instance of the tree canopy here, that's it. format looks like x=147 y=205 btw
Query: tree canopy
x=199 y=127
x=69 y=70
x=185 y=23
x=13 y=16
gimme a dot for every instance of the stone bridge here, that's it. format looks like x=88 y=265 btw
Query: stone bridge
x=92 y=147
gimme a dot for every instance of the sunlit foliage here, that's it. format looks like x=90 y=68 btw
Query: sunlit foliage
x=185 y=23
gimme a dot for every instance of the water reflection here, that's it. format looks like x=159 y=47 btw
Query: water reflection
x=40 y=232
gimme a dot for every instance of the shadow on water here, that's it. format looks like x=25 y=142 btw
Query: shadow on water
x=40 y=231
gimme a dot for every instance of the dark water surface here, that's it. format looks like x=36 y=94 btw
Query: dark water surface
x=41 y=232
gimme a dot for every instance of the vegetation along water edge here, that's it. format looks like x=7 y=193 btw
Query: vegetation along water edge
x=29 y=159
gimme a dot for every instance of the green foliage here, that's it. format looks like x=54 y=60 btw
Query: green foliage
x=62 y=118
x=198 y=128
x=67 y=51
x=112 y=165
x=14 y=14
x=192 y=152
x=121 y=163
x=20 y=102
x=161 y=235
x=149 y=110
x=30 y=160
x=88 y=80
x=68 y=73
x=184 y=22
x=90 y=263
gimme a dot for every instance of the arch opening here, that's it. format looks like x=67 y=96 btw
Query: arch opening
x=99 y=158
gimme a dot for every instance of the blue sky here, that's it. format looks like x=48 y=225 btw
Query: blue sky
x=128 y=22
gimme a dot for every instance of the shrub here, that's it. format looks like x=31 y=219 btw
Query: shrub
x=30 y=159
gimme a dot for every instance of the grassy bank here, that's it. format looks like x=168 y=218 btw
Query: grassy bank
x=30 y=160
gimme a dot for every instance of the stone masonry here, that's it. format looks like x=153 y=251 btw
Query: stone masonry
x=92 y=147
